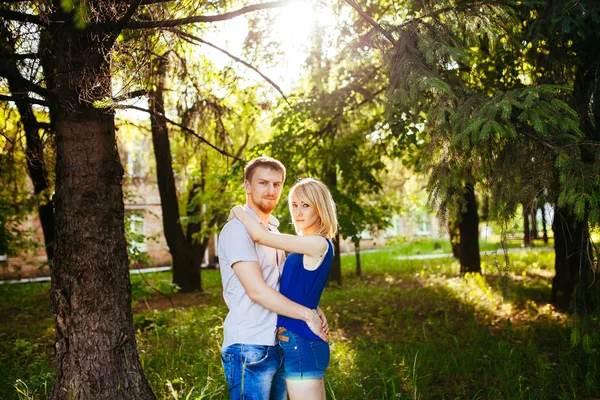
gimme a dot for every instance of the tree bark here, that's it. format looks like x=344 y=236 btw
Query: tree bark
x=454 y=234
x=357 y=256
x=195 y=227
x=186 y=269
x=526 y=229
x=96 y=354
x=534 y=234
x=574 y=285
x=335 y=276
x=544 y=227
x=470 y=260
x=336 y=267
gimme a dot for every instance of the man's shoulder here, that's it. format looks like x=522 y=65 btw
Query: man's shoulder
x=234 y=230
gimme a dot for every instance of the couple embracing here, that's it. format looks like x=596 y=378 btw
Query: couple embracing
x=275 y=337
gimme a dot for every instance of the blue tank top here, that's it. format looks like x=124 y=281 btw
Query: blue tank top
x=304 y=287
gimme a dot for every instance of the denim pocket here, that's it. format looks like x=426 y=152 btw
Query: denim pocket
x=254 y=354
x=321 y=352
x=286 y=339
x=228 y=368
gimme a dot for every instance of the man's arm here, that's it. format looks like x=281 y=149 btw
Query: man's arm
x=312 y=245
x=250 y=275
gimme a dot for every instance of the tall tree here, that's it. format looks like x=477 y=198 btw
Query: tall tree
x=565 y=33
x=187 y=241
x=96 y=355
x=477 y=88
x=186 y=263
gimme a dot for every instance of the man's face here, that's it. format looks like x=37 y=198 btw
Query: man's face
x=265 y=188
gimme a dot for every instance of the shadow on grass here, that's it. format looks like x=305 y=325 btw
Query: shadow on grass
x=421 y=339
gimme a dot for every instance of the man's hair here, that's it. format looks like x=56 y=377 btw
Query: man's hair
x=265 y=162
x=316 y=193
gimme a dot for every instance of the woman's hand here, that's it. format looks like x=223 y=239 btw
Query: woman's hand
x=236 y=212
x=324 y=324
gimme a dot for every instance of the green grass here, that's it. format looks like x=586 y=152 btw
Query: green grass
x=407 y=329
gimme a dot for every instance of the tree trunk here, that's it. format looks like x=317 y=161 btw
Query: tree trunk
x=574 y=286
x=194 y=227
x=454 y=233
x=577 y=280
x=335 y=276
x=468 y=226
x=544 y=227
x=186 y=269
x=526 y=229
x=533 y=227
x=357 y=256
x=34 y=150
x=336 y=267
x=96 y=354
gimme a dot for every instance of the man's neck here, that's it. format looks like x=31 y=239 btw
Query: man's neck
x=260 y=214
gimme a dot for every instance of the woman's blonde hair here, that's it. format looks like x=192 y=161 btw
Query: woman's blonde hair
x=316 y=194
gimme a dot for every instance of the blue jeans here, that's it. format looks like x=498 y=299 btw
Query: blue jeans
x=303 y=358
x=254 y=372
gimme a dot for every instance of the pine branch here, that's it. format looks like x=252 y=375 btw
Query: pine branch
x=371 y=21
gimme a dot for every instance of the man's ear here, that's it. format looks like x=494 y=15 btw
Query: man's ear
x=247 y=186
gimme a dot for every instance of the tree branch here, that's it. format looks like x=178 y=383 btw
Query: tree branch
x=14 y=75
x=371 y=21
x=199 y=18
x=122 y=21
x=330 y=124
x=197 y=39
x=29 y=100
x=188 y=130
x=130 y=95
x=26 y=56
x=23 y=17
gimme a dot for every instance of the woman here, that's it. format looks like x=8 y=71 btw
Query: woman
x=304 y=276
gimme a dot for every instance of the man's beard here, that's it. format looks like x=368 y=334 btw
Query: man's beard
x=266 y=205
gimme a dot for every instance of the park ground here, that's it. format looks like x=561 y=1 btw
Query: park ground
x=406 y=329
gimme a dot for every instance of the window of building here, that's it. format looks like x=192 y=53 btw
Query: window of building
x=423 y=225
x=135 y=227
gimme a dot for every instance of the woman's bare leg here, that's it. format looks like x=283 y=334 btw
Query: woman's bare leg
x=313 y=389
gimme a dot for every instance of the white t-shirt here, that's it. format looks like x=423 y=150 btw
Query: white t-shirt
x=247 y=322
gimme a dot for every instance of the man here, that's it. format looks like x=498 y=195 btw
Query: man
x=250 y=273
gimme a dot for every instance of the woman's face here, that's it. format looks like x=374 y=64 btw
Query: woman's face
x=305 y=217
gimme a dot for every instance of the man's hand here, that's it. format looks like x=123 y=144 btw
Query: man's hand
x=324 y=324
x=315 y=324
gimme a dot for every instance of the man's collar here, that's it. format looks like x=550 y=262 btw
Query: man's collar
x=272 y=220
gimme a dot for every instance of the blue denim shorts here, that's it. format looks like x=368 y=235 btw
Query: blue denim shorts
x=303 y=358
x=254 y=372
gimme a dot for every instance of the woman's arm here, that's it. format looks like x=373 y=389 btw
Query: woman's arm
x=311 y=245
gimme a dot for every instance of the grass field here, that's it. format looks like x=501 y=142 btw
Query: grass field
x=408 y=329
